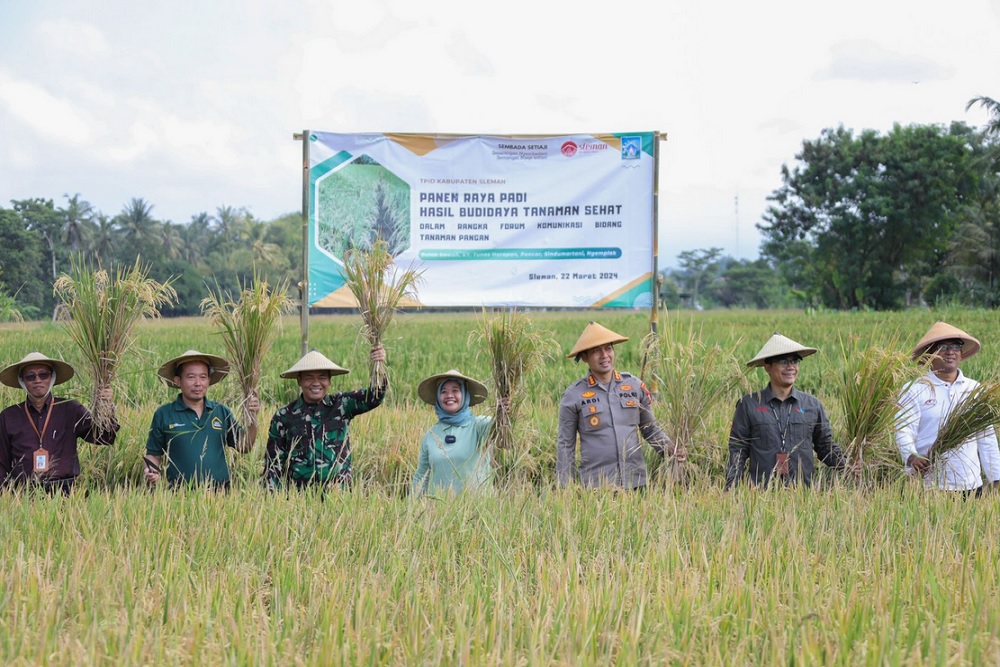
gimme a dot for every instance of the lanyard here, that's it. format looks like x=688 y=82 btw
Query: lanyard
x=45 y=426
x=783 y=430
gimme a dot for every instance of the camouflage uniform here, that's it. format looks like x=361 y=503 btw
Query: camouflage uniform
x=308 y=443
x=608 y=420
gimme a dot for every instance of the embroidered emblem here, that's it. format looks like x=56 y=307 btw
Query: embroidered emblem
x=593 y=409
x=630 y=403
x=595 y=420
x=626 y=387
x=591 y=381
x=587 y=394
x=216 y=424
x=761 y=408
x=618 y=376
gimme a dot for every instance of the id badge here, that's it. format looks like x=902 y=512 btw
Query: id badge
x=41 y=460
x=782 y=466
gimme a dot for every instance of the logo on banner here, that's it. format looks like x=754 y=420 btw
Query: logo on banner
x=631 y=148
x=568 y=149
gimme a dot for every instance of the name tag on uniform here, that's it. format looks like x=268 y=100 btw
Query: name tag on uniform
x=41 y=460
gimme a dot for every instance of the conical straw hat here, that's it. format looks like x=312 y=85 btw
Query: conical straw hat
x=429 y=387
x=944 y=331
x=594 y=335
x=218 y=367
x=10 y=375
x=778 y=345
x=313 y=361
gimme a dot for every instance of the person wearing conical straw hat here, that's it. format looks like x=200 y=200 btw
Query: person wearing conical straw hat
x=308 y=442
x=38 y=438
x=775 y=430
x=453 y=454
x=191 y=432
x=924 y=405
x=606 y=411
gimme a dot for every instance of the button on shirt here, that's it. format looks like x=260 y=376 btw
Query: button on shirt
x=764 y=425
x=608 y=420
x=923 y=405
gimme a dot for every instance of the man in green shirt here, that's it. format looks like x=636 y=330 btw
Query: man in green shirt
x=192 y=432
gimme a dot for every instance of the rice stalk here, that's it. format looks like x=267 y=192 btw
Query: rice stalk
x=515 y=350
x=693 y=380
x=100 y=314
x=867 y=382
x=379 y=286
x=249 y=325
x=968 y=418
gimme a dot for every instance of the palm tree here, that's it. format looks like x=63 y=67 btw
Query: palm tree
x=229 y=222
x=136 y=224
x=171 y=238
x=263 y=251
x=991 y=105
x=77 y=222
x=103 y=242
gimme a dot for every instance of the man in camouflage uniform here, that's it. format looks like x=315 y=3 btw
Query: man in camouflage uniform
x=607 y=409
x=308 y=442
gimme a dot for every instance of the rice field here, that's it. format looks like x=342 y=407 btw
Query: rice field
x=529 y=574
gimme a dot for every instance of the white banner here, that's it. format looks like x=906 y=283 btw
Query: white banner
x=492 y=221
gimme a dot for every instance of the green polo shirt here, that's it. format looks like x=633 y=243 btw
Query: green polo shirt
x=194 y=448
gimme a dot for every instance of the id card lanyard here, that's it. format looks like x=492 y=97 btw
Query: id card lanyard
x=782 y=467
x=40 y=458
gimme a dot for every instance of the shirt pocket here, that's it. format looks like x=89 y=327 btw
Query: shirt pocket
x=593 y=414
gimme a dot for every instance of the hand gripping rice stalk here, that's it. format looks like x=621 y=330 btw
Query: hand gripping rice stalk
x=249 y=325
x=100 y=313
x=379 y=286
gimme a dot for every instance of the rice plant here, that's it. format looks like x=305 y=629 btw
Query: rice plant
x=249 y=324
x=100 y=314
x=515 y=349
x=867 y=380
x=379 y=286
x=970 y=417
x=694 y=379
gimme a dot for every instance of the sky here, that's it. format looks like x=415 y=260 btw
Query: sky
x=192 y=105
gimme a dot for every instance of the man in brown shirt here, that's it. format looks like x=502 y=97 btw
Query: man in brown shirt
x=38 y=437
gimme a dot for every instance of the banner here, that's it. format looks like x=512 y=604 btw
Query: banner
x=560 y=221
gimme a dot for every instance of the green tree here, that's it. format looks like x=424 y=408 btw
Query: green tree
x=698 y=267
x=77 y=222
x=137 y=228
x=993 y=107
x=860 y=221
x=25 y=268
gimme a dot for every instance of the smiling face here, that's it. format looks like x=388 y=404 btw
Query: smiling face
x=947 y=357
x=314 y=385
x=450 y=396
x=193 y=378
x=601 y=360
x=782 y=370
x=37 y=380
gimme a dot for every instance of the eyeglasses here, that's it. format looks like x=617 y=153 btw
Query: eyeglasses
x=40 y=375
x=949 y=347
x=788 y=361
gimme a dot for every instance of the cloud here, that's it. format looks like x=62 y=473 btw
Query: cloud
x=43 y=112
x=865 y=60
x=74 y=37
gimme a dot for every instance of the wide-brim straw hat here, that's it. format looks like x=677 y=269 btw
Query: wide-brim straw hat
x=313 y=361
x=778 y=345
x=594 y=335
x=10 y=375
x=944 y=331
x=218 y=367
x=427 y=390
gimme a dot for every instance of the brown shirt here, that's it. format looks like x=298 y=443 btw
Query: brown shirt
x=18 y=439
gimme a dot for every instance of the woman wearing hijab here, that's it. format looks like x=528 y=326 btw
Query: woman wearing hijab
x=453 y=454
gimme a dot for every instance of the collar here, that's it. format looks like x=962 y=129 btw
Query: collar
x=45 y=406
x=767 y=394
x=959 y=379
x=615 y=376
x=301 y=403
x=181 y=406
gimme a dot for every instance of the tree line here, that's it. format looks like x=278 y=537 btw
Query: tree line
x=222 y=250
x=869 y=220
x=861 y=220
